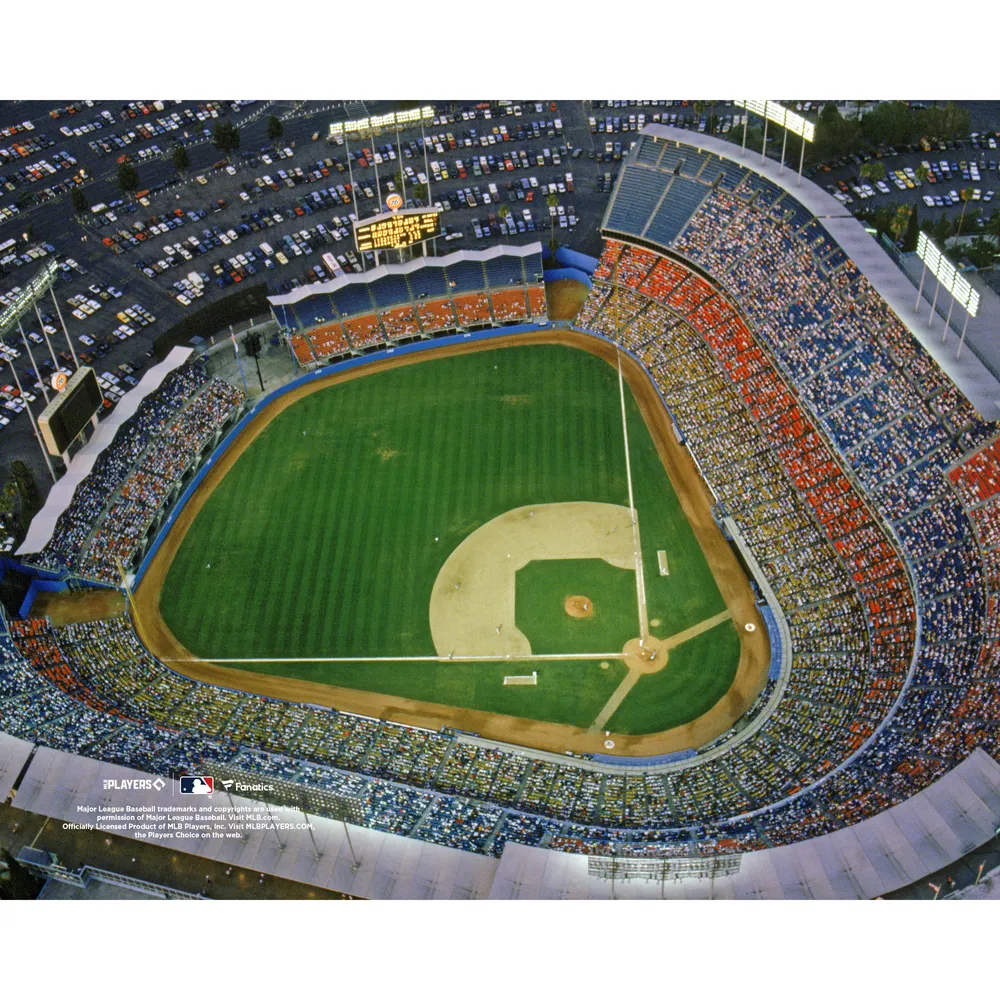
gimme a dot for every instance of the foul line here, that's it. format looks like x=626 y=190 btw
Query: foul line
x=640 y=579
x=617 y=697
x=703 y=626
x=398 y=659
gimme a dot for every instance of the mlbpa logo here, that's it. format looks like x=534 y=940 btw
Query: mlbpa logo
x=197 y=784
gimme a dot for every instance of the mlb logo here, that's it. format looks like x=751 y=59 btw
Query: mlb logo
x=197 y=784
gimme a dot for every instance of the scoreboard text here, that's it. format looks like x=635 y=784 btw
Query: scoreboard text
x=397 y=230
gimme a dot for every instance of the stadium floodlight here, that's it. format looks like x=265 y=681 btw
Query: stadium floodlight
x=29 y=294
x=949 y=278
x=773 y=111
x=393 y=118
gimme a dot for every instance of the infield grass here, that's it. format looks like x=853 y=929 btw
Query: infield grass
x=542 y=588
x=698 y=673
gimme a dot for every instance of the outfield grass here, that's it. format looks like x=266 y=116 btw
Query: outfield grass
x=543 y=585
x=321 y=538
x=698 y=673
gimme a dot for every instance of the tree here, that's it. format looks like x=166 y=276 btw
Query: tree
x=942 y=123
x=941 y=229
x=226 y=137
x=275 y=128
x=128 y=178
x=79 y=200
x=982 y=252
x=254 y=343
x=900 y=221
x=181 y=159
x=993 y=225
x=882 y=219
x=17 y=882
x=966 y=196
x=873 y=171
x=836 y=135
x=891 y=123
x=912 y=231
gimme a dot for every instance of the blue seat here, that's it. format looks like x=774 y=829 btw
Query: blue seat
x=638 y=192
x=681 y=202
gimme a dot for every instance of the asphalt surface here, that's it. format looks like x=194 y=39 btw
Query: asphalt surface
x=54 y=223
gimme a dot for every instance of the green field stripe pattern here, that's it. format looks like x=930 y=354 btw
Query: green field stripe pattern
x=698 y=673
x=689 y=594
x=568 y=691
x=320 y=541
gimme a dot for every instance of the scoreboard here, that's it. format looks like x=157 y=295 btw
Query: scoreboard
x=67 y=415
x=397 y=230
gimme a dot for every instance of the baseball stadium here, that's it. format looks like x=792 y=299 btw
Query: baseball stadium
x=676 y=562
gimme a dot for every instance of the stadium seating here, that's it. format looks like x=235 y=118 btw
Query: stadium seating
x=105 y=525
x=864 y=484
x=439 y=296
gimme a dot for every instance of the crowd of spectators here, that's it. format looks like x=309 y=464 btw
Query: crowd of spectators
x=865 y=487
x=357 y=332
x=896 y=424
x=113 y=508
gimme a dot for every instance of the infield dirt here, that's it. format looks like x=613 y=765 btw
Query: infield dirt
x=751 y=672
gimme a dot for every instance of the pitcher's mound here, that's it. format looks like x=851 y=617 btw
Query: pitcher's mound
x=579 y=607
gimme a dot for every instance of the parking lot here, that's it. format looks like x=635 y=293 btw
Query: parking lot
x=964 y=164
x=135 y=267
x=279 y=211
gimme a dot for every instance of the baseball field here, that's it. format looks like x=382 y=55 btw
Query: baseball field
x=452 y=538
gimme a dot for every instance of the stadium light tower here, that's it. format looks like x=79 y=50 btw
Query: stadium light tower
x=427 y=175
x=45 y=336
x=354 y=190
x=34 y=424
x=344 y=808
x=62 y=323
x=948 y=277
x=788 y=120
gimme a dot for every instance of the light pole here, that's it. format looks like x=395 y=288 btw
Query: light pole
x=317 y=853
x=34 y=425
x=62 y=323
x=31 y=358
x=281 y=846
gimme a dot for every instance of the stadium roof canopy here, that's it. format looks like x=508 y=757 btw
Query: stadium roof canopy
x=948 y=819
x=975 y=378
x=476 y=256
x=13 y=754
x=956 y=814
x=43 y=524
x=66 y=787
